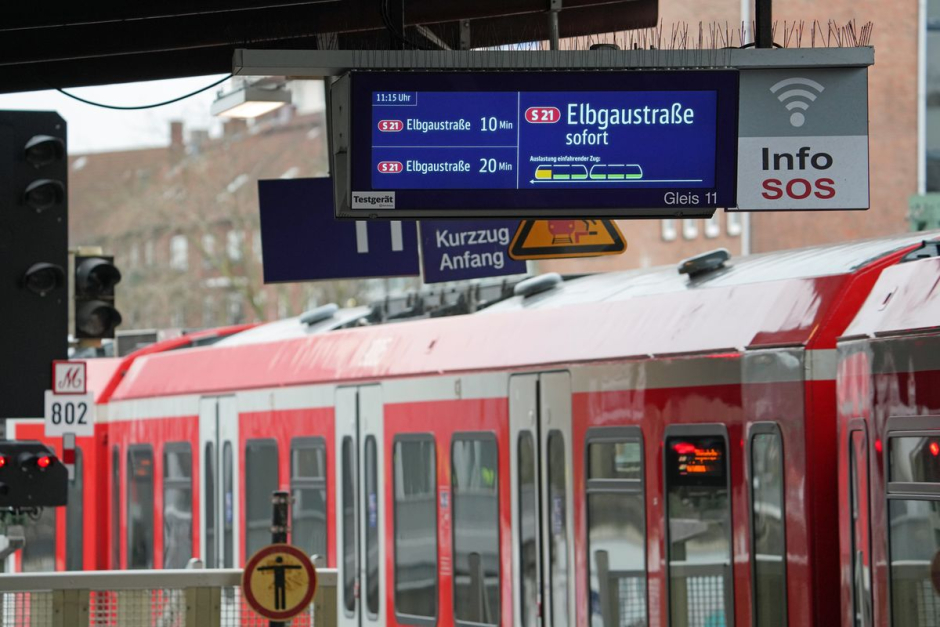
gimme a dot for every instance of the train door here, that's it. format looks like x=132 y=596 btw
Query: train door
x=542 y=500
x=218 y=482
x=360 y=516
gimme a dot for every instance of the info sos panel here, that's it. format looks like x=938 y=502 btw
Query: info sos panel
x=626 y=144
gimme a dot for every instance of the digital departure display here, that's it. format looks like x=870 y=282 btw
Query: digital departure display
x=511 y=144
x=696 y=460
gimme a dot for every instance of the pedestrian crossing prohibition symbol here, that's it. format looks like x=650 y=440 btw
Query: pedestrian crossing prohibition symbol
x=279 y=582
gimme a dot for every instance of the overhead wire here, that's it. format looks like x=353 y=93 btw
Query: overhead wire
x=148 y=106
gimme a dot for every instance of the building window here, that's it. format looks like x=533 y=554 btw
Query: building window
x=349 y=526
x=208 y=250
x=261 y=479
x=235 y=245
x=733 y=223
x=689 y=228
x=713 y=225
x=308 y=488
x=177 y=504
x=256 y=244
x=74 y=521
x=140 y=507
x=415 y=490
x=768 y=526
x=148 y=253
x=208 y=311
x=179 y=253
x=135 y=255
x=475 y=498
x=668 y=229
x=372 y=527
x=616 y=527
x=236 y=310
x=698 y=520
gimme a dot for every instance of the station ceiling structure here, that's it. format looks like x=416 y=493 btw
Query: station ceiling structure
x=79 y=44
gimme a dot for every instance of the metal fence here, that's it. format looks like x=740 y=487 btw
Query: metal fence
x=159 y=598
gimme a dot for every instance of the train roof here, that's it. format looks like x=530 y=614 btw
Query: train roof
x=790 y=298
x=905 y=300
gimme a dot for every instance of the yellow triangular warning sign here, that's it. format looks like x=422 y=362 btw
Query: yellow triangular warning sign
x=553 y=239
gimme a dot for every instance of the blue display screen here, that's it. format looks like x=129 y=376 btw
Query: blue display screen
x=555 y=140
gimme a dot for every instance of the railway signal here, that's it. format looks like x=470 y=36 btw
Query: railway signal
x=31 y=476
x=33 y=256
x=95 y=314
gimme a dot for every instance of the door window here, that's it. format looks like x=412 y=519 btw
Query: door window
x=861 y=542
x=475 y=494
x=415 y=489
x=528 y=531
x=140 y=507
x=372 y=528
x=177 y=504
x=768 y=528
x=558 y=530
x=698 y=515
x=74 y=522
x=616 y=528
x=308 y=487
x=914 y=527
x=228 y=507
x=210 y=500
x=349 y=525
x=261 y=480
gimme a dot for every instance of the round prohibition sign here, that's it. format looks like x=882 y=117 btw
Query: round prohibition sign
x=279 y=582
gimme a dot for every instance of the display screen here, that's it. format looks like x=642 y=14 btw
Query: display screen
x=550 y=140
x=696 y=460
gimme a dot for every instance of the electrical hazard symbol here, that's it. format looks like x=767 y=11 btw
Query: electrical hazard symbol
x=279 y=582
x=552 y=239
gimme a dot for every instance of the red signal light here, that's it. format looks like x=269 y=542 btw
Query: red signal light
x=45 y=461
x=934 y=449
x=3 y=461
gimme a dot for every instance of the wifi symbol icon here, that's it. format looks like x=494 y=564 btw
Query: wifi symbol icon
x=798 y=98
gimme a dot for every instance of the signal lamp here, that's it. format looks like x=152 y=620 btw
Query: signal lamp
x=3 y=461
x=96 y=274
x=45 y=461
x=934 y=449
x=97 y=319
x=43 y=194
x=42 y=278
x=44 y=149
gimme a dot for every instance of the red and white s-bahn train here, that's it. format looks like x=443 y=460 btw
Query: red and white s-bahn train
x=750 y=445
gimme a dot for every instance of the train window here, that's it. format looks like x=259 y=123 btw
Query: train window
x=38 y=555
x=558 y=539
x=372 y=528
x=415 y=490
x=861 y=541
x=115 y=507
x=211 y=504
x=349 y=526
x=228 y=507
x=528 y=531
x=616 y=527
x=177 y=504
x=768 y=529
x=140 y=506
x=261 y=479
x=475 y=496
x=913 y=520
x=698 y=514
x=74 y=527
x=308 y=487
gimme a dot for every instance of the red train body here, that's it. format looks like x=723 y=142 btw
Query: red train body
x=627 y=449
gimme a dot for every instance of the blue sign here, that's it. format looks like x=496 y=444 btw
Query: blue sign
x=302 y=241
x=514 y=144
x=458 y=250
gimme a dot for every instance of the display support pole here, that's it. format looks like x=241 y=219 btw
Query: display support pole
x=763 y=15
x=280 y=501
